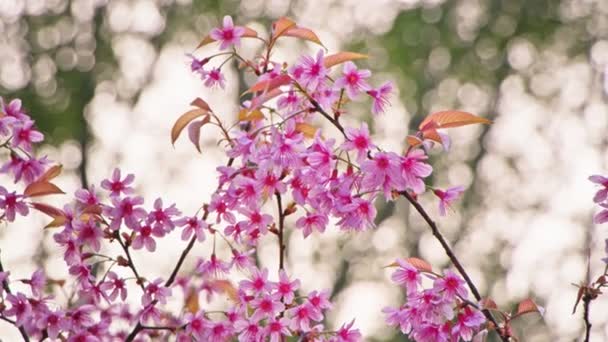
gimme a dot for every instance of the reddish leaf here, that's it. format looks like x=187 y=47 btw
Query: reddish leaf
x=47 y=209
x=51 y=173
x=249 y=33
x=194 y=131
x=192 y=304
x=268 y=85
x=246 y=115
x=413 y=140
x=488 y=303
x=257 y=101
x=308 y=130
x=342 y=57
x=200 y=103
x=303 y=33
x=41 y=188
x=420 y=264
x=184 y=120
x=57 y=222
x=450 y=118
x=527 y=305
x=281 y=26
x=226 y=287
x=432 y=134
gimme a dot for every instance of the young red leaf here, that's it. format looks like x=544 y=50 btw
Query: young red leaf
x=41 y=188
x=249 y=33
x=413 y=141
x=268 y=85
x=257 y=101
x=51 y=173
x=342 y=57
x=47 y=209
x=200 y=103
x=450 y=118
x=308 y=130
x=226 y=287
x=192 y=304
x=488 y=303
x=420 y=264
x=194 y=131
x=527 y=305
x=184 y=120
x=280 y=26
x=303 y=33
x=246 y=115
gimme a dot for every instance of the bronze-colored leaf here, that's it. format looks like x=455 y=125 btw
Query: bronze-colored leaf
x=450 y=118
x=528 y=305
x=420 y=264
x=247 y=115
x=51 y=173
x=41 y=188
x=281 y=26
x=184 y=120
x=227 y=287
x=268 y=85
x=342 y=57
x=194 y=131
x=200 y=103
x=303 y=33
x=308 y=130
x=47 y=209
x=192 y=303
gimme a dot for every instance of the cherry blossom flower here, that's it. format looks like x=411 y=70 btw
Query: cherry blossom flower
x=213 y=78
x=24 y=135
x=155 y=291
x=87 y=196
x=228 y=35
x=310 y=222
x=12 y=204
x=353 y=80
x=407 y=275
x=192 y=225
x=89 y=234
x=447 y=197
x=602 y=194
x=451 y=286
x=358 y=140
x=116 y=186
x=414 y=170
x=277 y=329
x=467 y=322
x=162 y=218
x=311 y=71
x=380 y=97
x=125 y=210
x=20 y=308
x=285 y=288
x=116 y=285
x=266 y=307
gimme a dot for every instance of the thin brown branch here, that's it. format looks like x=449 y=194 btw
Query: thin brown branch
x=280 y=233
x=586 y=308
x=448 y=250
x=131 y=263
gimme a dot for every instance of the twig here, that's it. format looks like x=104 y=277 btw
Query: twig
x=281 y=226
x=131 y=264
x=586 y=308
x=453 y=258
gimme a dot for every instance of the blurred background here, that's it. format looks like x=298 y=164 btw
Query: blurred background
x=106 y=79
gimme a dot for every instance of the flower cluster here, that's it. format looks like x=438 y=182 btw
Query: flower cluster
x=439 y=313
x=278 y=157
x=601 y=198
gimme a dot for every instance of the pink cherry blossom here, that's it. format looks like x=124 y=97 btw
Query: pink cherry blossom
x=213 y=78
x=602 y=194
x=353 y=80
x=228 y=35
x=447 y=197
x=116 y=285
x=192 y=225
x=285 y=289
x=155 y=291
x=24 y=135
x=12 y=204
x=407 y=275
x=116 y=186
x=358 y=140
x=380 y=97
x=451 y=286
x=310 y=222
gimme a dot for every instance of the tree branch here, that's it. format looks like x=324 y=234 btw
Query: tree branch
x=281 y=227
x=437 y=234
x=586 y=308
